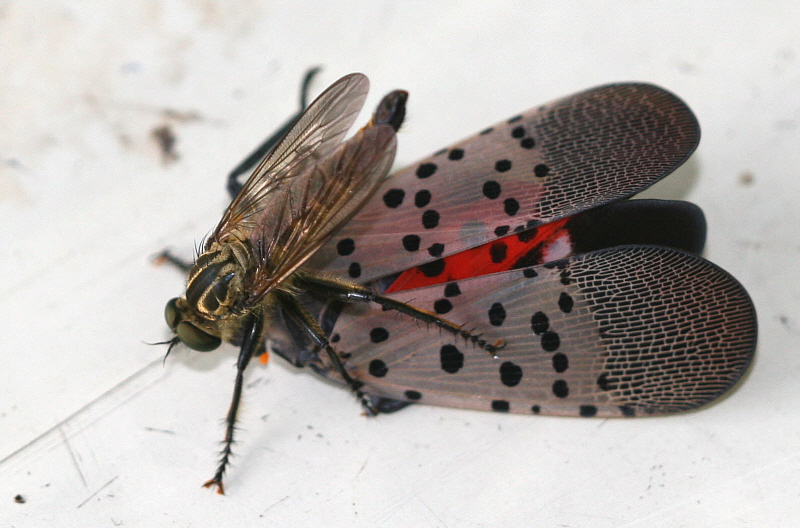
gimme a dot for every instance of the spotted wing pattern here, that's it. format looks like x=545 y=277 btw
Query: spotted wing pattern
x=618 y=332
x=674 y=224
x=580 y=152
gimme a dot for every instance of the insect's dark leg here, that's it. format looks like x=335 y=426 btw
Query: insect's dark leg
x=257 y=155
x=350 y=293
x=167 y=256
x=250 y=343
x=304 y=319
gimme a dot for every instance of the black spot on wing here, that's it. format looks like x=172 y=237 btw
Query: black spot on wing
x=411 y=242
x=442 y=306
x=510 y=374
x=422 y=198
x=497 y=314
x=378 y=368
x=345 y=246
x=430 y=219
x=433 y=268
x=491 y=189
x=455 y=154
x=560 y=389
x=500 y=406
x=426 y=170
x=413 y=395
x=378 y=335
x=393 y=198
x=451 y=359
x=452 y=290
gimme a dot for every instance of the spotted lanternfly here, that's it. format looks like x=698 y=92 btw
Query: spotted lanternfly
x=537 y=288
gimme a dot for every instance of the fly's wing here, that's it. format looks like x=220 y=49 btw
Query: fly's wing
x=618 y=332
x=315 y=135
x=294 y=226
x=577 y=153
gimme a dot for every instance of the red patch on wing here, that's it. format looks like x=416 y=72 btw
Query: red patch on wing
x=527 y=248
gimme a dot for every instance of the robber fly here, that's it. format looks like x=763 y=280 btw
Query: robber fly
x=305 y=189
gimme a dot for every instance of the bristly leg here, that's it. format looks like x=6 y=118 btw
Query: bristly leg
x=234 y=186
x=351 y=293
x=250 y=342
x=300 y=315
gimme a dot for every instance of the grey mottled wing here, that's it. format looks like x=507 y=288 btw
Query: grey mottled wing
x=620 y=332
x=582 y=151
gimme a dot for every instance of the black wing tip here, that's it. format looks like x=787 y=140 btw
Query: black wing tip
x=663 y=99
x=708 y=358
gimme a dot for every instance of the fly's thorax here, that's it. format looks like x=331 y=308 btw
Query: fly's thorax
x=216 y=285
x=214 y=306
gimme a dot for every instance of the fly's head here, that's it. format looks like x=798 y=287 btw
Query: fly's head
x=215 y=297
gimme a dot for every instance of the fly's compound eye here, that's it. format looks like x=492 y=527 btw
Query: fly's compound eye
x=195 y=338
x=172 y=314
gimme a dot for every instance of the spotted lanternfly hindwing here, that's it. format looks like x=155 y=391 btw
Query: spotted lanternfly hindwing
x=537 y=287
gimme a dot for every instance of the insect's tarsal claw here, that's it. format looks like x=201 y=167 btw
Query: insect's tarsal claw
x=166 y=257
x=215 y=482
x=494 y=347
x=367 y=405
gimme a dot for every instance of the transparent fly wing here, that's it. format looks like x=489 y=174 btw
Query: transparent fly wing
x=577 y=153
x=290 y=229
x=315 y=135
x=634 y=330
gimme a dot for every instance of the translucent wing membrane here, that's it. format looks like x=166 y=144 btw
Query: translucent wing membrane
x=317 y=133
x=618 y=332
x=583 y=151
x=308 y=186
x=292 y=228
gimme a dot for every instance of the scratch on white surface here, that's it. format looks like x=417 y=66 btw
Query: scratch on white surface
x=96 y=409
x=157 y=430
x=72 y=456
x=361 y=469
x=101 y=488
x=275 y=504
x=433 y=513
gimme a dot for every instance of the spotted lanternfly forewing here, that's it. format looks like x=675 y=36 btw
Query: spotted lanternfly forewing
x=537 y=287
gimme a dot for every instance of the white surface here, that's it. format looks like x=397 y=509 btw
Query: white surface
x=95 y=432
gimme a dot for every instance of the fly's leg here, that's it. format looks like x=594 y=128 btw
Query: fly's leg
x=166 y=256
x=351 y=293
x=234 y=186
x=300 y=315
x=250 y=342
